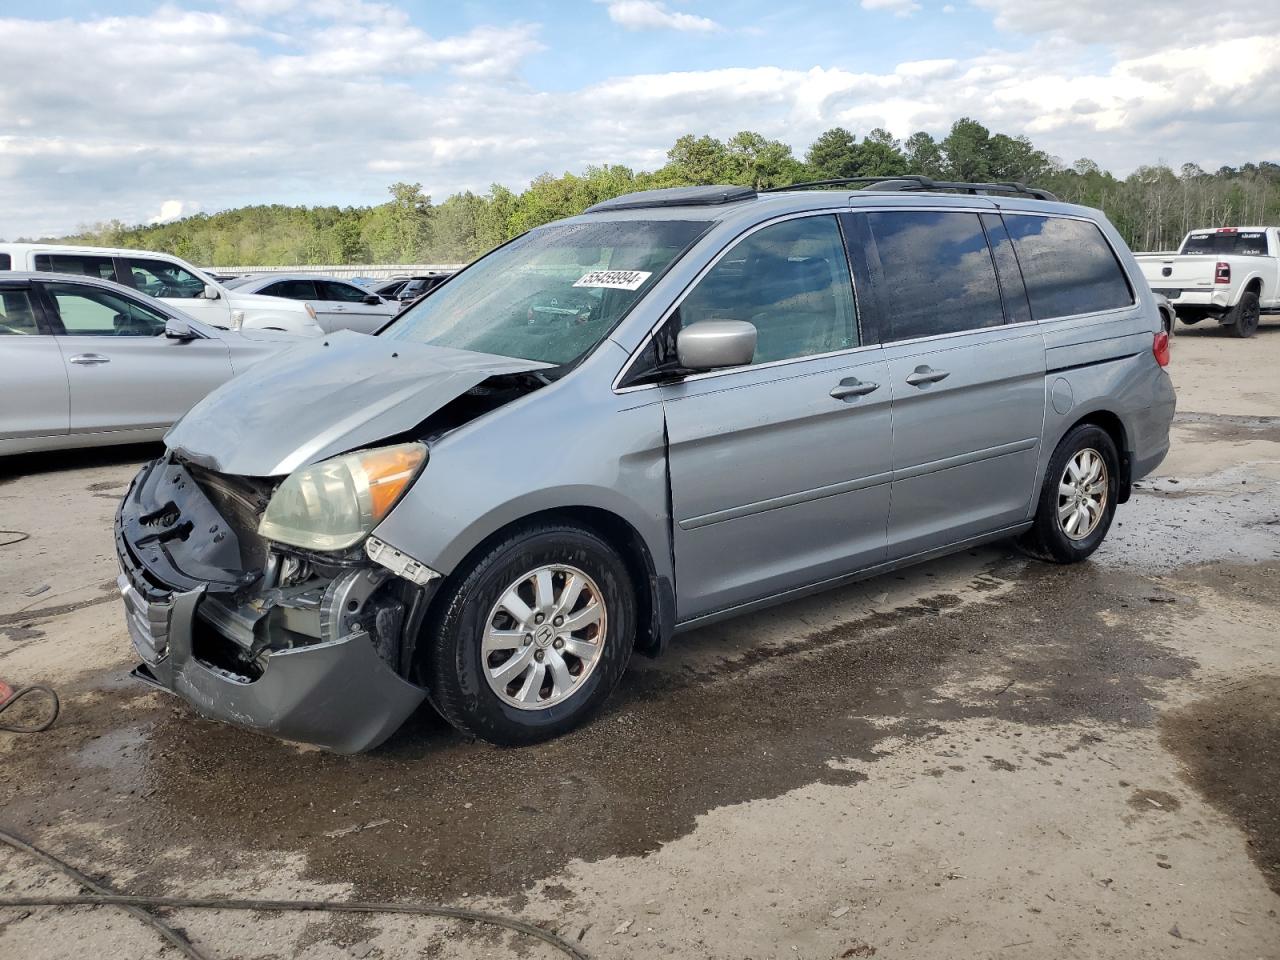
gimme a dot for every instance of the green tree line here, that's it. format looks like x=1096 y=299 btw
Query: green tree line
x=1153 y=207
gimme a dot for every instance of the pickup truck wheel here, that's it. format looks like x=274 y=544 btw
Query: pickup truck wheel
x=1078 y=499
x=1243 y=319
x=532 y=636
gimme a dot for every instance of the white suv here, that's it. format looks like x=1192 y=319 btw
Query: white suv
x=171 y=280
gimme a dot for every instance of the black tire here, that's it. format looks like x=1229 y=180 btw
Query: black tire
x=1243 y=319
x=454 y=661
x=1047 y=540
x=1169 y=321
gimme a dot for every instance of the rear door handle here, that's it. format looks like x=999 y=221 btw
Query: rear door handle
x=851 y=388
x=89 y=359
x=924 y=375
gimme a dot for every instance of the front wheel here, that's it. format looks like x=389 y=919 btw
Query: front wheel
x=1078 y=499
x=532 y=636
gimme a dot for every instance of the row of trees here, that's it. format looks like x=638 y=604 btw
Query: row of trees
x=1153 y=207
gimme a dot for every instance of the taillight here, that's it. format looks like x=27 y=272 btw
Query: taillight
x=1160 y=348
x=1223 y=273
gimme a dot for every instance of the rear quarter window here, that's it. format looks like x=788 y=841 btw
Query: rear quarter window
x=5 y=262
x=1068 y=266
x=76 y=263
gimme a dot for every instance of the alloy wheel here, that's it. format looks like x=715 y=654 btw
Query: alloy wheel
x=544 y=637
x=1082 y=494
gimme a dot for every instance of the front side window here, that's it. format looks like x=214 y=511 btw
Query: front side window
x=159 y=278
x=17 y=316
x=551 y=295
x=791 y=281
x=936 y=273
x=293 y=290
x=1068 y=266
x=77 y=263
x=344 y=292
x=89 y=312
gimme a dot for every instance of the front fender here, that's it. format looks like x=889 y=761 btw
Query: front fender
x=296 y=324
x=552 y=450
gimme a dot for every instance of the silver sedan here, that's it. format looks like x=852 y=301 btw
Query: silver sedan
x=89 y=362
x=339 y=305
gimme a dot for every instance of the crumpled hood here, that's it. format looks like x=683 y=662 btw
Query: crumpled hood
x=324 y=397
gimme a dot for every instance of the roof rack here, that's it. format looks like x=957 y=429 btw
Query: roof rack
x=912 y=183
x=675 y=197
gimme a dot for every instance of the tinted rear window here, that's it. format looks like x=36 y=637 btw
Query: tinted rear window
x=90 y=266
x=1068 y=266
x=1241 y=243
x=937 y=273
x=5 y=262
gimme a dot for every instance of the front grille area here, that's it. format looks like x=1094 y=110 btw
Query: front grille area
x=241 y=501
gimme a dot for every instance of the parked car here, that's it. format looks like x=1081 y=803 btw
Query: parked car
x=339 y=305
x=408 y=289
x=679 y=406
x=89 y=362
x=171 y=280
x=1231 y=274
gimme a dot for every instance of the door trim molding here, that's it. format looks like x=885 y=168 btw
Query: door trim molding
x=962 y=459
x=786 y=500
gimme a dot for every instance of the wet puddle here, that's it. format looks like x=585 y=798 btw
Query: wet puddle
x=1229 y=745
x=432 y=815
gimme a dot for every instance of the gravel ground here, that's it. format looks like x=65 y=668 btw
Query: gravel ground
x=983 y=756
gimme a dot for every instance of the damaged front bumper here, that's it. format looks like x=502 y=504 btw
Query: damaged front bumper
x=309 y=649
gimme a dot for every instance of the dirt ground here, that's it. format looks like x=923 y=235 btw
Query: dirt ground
x=981 y=757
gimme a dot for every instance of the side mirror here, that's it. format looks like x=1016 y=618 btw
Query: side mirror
x=211 y=292
x=712 y=344
x=179 y=330
x=373 y=299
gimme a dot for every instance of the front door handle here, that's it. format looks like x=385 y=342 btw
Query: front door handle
x=90 y=359
x=851 y=388
x=922 y=376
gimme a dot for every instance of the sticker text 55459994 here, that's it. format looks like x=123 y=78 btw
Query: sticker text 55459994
x=614 y=279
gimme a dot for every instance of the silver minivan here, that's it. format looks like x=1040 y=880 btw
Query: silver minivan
x=679 y=406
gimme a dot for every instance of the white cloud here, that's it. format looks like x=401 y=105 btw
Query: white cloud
x=654 y=15
x=899 y=8
x=109 y=123
x=173 y=209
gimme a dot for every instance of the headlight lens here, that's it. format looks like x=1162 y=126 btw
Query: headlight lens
x=334 y=504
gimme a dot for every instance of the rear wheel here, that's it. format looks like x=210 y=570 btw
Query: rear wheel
x=533 y=636
x=1078 y=499
x=1243 y=319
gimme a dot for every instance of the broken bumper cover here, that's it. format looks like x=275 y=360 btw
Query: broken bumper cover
x=336 y=693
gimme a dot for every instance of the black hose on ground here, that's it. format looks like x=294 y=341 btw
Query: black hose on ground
x=103 y=896
x=31 y=728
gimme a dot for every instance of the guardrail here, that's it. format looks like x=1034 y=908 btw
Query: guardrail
x=380 y=271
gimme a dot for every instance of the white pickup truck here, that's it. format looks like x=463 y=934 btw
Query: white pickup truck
x=172 y=280
x=1229 y=273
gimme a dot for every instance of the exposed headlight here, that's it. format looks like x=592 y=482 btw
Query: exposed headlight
x=334 y=504
x=237 y=319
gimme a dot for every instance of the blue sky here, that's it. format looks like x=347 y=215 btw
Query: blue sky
x=140 y=110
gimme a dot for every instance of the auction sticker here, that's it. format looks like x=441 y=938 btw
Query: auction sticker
x=615 y=279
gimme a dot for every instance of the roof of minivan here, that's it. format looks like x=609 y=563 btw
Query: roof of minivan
x=764 y=206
